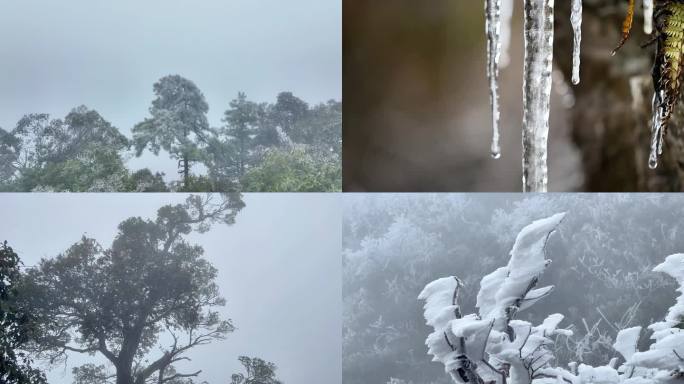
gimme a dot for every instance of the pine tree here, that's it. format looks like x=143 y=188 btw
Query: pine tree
x=178 y=123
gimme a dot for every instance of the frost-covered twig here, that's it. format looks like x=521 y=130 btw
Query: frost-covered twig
x=477 y=347
x=491 y=346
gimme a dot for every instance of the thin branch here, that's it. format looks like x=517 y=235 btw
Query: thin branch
x=524 y=342
x=606 y=319
x=449 y=342
x=552 y=377
x=181 y=375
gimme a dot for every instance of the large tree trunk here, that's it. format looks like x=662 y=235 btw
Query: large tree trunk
x=612 y=103
x=129 y=347
x=186 y=171
x=124 y=374
x=241 y=160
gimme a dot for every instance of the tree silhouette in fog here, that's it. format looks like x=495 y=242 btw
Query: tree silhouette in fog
x=258 y=372
x=118 y=301
x=15 y=323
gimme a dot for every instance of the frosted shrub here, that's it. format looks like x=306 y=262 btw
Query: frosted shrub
x=492 y=346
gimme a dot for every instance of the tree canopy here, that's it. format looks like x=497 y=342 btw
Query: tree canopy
x=287 y=146
x=258 y=371
x=117 y=301
x=241 y=119
x=178 y=123
x=83 y=152
x=74 y=154
x=15 y=325
x=294 y=170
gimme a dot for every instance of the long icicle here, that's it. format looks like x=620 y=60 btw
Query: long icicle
x=493 y=30
x=576 y=21
x=538 y=63
x=660 y=118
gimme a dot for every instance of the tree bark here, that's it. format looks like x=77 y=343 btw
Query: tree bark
x=124 y=374
x=186 y=171
x=611 y=115
x=129 y=347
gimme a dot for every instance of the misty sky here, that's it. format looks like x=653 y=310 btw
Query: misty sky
x=279 y=269
x=60 y=54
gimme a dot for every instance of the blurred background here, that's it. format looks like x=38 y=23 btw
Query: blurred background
x=417 y=114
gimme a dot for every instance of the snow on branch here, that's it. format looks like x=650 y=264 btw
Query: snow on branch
x=493 y=347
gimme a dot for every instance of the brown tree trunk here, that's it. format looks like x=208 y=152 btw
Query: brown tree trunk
x=612 y=108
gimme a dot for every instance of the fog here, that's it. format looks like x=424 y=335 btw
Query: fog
x=602 y=255
x=279 y=269
x=107 y=55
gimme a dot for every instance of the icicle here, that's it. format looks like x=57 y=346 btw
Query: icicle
x=657 y=130
x=537 y=92
x=576 y=21
x=493 y=30
x=648 y=17
x=506 y=15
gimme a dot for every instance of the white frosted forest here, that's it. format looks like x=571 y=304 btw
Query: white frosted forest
x=513 y=289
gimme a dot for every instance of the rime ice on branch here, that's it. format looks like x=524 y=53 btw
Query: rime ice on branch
x=493 y=30
x=663 y=362
x=538 y=35
x=576 y=21
x=492 y=346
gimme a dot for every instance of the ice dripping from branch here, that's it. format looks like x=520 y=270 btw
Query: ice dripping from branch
x=481 y=347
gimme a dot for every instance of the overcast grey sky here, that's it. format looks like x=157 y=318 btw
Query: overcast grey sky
x=107 y=54
x=279 y=269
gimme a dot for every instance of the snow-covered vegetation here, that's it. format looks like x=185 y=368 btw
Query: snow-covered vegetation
x=604 y=253
x=492 y=346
